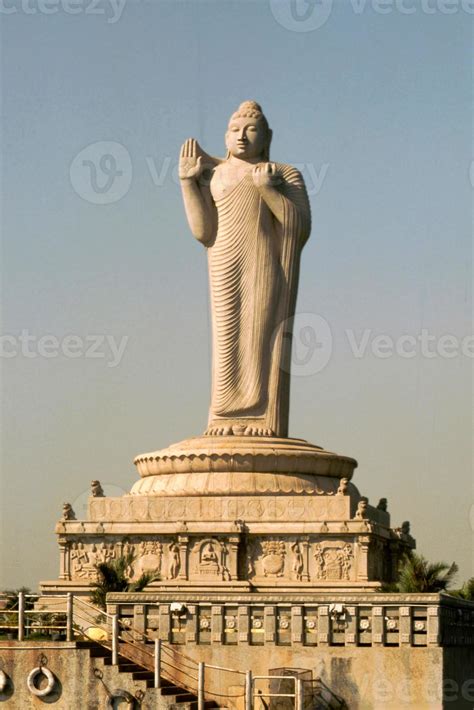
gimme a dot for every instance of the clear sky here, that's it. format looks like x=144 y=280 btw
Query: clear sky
x=373 y=102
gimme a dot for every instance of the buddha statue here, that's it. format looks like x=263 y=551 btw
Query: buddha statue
x=253 y=218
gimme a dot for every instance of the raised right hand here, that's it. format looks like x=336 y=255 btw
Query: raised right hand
x=190 y=164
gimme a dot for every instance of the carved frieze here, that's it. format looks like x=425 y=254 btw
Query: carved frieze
x=333 y=560
x=273 y=561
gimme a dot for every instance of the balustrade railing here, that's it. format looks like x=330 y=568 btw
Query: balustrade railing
x=125 y=632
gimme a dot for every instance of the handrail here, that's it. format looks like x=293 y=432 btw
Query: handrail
x=221 y=668
x=91 y=606
x=176 y=667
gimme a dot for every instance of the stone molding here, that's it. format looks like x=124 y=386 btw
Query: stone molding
x=236 y=455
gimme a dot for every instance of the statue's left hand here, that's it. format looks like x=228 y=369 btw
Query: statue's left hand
x=266 y=175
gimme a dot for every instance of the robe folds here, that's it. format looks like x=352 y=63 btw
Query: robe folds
x=253 y=276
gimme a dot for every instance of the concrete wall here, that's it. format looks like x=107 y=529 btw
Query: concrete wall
x=76 y=686
x=366 y=678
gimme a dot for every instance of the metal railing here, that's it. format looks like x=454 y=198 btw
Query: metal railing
x=18 y=616
x=77 y=619
x=174 y=666
x=252 y=692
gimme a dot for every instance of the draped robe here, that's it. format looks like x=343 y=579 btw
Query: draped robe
x=253 y=275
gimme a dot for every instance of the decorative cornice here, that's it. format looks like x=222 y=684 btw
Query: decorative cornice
x=245 y=454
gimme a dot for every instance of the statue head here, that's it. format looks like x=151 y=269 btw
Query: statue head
x=248 y=135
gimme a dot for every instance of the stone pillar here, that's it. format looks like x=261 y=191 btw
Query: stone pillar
x=217 y=624
x=323 y=626
x=165 y=622
x=183 y=556
x=139 y=620
x=405 y=626
x=378 y=636
x=305 y=552
x=269 y=624
x=352 y=626
x=296 y=625
x=363 y=558
x=191 y=626
x=233 y=556
x=433 y=630
x=64 y=563
x=243 y=625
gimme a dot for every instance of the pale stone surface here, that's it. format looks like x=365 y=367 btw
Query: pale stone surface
x=244 y=505
x=253 y=217
x=294 y=465
x=366 y=678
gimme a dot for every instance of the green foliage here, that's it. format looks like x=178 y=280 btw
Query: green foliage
x=113 y=577
x=466 y=592
x=8 y=614
x=12 y=598
x=417 y=575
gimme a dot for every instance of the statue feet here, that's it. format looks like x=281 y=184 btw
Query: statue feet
x=238 y=430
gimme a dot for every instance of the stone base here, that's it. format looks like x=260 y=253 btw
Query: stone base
x=254 y=513
x=247 y=465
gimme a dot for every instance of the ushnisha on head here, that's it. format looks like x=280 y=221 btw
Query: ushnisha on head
x=248 y=135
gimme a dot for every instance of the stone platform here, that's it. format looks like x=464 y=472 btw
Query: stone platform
x=258 y=514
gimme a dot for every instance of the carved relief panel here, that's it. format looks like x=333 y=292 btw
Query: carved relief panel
x=209 y=559
x=333 y=561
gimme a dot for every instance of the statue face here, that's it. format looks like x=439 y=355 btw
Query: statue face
x=246 y=138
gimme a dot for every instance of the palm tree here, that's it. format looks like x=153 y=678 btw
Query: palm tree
x=113 y=577
x=466 y=592
x=418 y=575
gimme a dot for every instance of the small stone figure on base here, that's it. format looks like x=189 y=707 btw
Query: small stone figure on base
x=96 y=490
x=361 y=512
x=68 y=512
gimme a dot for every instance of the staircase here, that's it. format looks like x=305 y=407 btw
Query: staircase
x=171 y=695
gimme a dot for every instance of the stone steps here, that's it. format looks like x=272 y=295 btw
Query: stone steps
x=173 y=697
